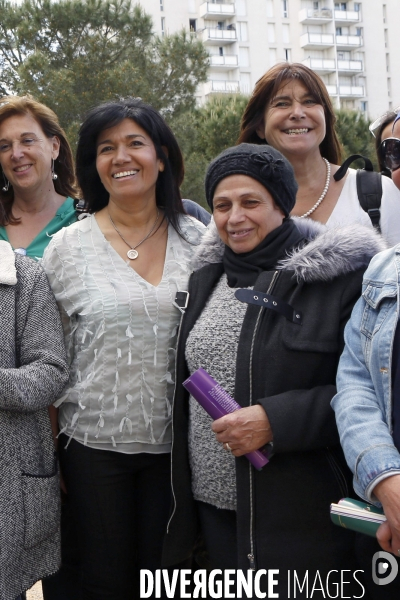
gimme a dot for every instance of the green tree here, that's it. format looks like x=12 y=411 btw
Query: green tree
x=202 y=134
x=355 y=137
x=74 y=54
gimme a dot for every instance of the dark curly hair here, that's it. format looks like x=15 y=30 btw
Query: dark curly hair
x=108 y=115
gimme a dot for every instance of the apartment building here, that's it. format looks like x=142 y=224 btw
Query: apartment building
x=351 y=45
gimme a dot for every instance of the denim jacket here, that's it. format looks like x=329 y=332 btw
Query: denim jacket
x=363 y=403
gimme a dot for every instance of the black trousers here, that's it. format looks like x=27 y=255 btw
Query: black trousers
x=218 y=528
x=121 y=504
x=66 y=583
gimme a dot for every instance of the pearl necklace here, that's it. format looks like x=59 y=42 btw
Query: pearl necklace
x=132 y=254
x=324 y=191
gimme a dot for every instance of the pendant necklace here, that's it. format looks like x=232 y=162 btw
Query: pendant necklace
x=133 y=253
x=324 y=191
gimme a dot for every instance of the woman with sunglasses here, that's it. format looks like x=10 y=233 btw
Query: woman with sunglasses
x=381 y=129
x=290 y=109
x=367 y=404
x=389 y=151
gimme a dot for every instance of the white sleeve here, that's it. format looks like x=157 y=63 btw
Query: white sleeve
x=390 y=212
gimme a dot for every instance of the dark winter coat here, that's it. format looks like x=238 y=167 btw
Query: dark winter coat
x=33 y=372
x=283 y=511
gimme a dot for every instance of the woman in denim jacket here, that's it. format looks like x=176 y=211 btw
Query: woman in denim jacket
x=367 y=404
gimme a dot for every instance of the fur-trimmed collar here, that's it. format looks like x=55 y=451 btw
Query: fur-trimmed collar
x=8 y=272
x=328 y=254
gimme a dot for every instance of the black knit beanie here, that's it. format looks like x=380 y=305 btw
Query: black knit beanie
x=261 y=162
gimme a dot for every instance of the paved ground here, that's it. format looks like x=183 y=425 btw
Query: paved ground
x=35 y=593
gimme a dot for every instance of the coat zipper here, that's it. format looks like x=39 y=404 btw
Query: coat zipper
x=251 y=555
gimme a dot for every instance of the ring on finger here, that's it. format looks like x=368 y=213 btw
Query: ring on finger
x=227 y=447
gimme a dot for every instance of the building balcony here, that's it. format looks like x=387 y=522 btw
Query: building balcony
x=221 y=87
x=217 y=37
x=225 y=62
x=316 y=40
x=351 y=91
x=321 y=65
x=328 y=65
x=347 y=16
x=211 y=10
x=350 y=66
x=346 y=91
x=308 y=16
x=349 y=41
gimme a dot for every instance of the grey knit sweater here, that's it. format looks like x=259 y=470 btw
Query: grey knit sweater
x=212 y=344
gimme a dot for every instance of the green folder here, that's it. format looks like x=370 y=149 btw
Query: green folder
x=357 y=516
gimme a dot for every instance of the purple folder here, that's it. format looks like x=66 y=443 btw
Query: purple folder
x=217 y=403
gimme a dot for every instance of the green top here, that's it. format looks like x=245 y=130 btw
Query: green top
x=64 y=216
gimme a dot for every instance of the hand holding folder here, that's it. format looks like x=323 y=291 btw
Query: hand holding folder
x=357 y=516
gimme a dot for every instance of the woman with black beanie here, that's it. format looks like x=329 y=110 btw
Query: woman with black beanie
x=276 y=352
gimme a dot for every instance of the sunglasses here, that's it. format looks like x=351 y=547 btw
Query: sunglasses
x=390 y=114
x=389 y=152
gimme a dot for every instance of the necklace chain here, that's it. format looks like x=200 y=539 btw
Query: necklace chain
x=132 y=254
x=324 y=191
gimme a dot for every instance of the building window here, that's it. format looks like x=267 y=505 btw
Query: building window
x=385 y=33
x=363 y=106
x=272 y=57
x=240 y=6
x=288 y=54
x=338 y=31
x=271 y=33
x=192 y=25
x=242 y=31
x=315 y=5
x=163 y=26
x=357 y=8
x=387 y=63
x=285 y=34
x=389 y=86
x=161 y=5
x=358 y=31
x=245 y=83
x=270 y=8
x=221 y=51
x=244 y=59
x=340 y=6
x=384 y=13
x=285 y=9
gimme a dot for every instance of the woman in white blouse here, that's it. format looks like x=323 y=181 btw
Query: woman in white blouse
x=290 y=109
x=115 y=276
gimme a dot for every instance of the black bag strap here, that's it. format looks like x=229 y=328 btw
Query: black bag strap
x=369 y=191
x=369 y=187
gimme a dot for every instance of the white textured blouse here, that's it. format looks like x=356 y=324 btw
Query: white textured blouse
x=120 y=336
